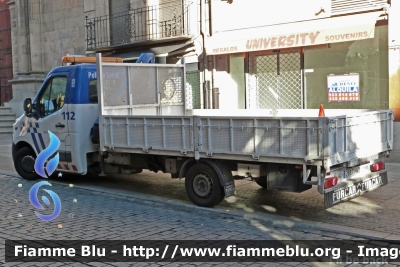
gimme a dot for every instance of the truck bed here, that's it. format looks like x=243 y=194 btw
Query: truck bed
x=143 y=110
x=299 y=139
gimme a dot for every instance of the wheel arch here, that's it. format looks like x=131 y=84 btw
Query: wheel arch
x=18 y=146
x=185 y=167
x=224 y=174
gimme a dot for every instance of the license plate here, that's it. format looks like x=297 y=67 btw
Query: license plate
x=351 y=189
x=352 y=171
x=230 y=189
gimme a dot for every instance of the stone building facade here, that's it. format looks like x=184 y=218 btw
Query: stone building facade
x=224 y=44
x=42 y=32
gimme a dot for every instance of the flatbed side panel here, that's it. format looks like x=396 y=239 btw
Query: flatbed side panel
x=260 y=136
x=143 y=89
x=149 y=133
x=359 y=135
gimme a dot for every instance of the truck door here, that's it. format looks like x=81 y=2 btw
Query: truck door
x=81 y=116
x=50 y=109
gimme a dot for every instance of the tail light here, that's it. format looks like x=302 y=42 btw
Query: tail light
x=330 y=182
x=377 y=166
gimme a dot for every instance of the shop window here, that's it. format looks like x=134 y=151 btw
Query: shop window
x=365 y=59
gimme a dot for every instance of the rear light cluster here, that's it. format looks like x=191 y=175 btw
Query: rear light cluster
x=331 y=182
x=377 y=166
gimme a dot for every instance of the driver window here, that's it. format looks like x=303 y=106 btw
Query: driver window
x=93 y=91
x=53 y=96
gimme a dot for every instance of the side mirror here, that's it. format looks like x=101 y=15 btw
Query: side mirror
x=28 y=107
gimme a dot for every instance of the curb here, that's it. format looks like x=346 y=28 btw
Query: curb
x=277 y=221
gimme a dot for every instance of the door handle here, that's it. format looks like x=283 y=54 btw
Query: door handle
x=59 y=125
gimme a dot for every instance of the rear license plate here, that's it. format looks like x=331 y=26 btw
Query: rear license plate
x=351 y=171
x=351 y=189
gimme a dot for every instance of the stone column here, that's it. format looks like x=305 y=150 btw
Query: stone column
x=14 y=48
x=27 y=80
x=35 y=36
x=22 y=9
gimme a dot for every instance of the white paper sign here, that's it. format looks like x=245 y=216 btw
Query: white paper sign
x=343 y=88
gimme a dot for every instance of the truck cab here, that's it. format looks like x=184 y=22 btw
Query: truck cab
x=66 y=105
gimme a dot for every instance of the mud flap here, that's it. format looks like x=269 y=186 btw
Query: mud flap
x=225 y=177
x=354 y=188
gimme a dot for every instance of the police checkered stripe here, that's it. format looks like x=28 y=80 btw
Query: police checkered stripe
x=37 y=137
x=36 y=124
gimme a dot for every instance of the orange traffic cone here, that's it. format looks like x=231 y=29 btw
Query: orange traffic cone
x=321 y=111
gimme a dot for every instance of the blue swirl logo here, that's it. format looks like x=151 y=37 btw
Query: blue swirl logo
x=35 y=202
x=45 y=154
x=50 y=168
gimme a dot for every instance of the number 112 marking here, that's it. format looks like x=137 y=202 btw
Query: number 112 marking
x=66 y=114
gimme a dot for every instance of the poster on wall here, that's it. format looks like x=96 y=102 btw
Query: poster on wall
x=344 y=87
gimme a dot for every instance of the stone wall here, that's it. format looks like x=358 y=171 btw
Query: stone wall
x=62 y=30
x=43 y=31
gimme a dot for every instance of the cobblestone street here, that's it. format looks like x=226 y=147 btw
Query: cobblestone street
x=89 y=214
x=267 y=111
x=150 y=206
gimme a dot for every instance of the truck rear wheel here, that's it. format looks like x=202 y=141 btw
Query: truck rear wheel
x=203 y=186
x=24 y=163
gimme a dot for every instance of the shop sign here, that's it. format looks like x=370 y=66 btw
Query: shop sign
x=299 y=34
x=343 y=88
x=289 y=40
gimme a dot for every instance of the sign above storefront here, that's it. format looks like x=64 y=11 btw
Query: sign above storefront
x=306 y=33
x=305 y=39
x=343 y=88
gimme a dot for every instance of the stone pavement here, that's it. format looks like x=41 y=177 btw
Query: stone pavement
x=88 y=214
x=375 y=213
x=145 y=206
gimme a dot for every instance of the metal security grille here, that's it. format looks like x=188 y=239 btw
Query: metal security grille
x=278 y=81
x=193 y=89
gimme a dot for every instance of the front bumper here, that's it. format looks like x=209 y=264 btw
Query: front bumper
x=352 y=188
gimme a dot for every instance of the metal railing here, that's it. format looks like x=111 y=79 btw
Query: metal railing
x=140 y=24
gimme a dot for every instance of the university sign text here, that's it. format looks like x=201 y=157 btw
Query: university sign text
x=235 y=42
x=282 y=41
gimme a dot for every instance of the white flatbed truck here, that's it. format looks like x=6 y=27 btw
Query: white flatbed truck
x=145 y=122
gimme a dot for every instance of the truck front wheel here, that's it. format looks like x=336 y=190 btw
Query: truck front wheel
x=24 y=163
x=203 y=186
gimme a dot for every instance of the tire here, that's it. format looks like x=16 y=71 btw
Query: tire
x=203 y=186
x=262 y=181
x=24 y=163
